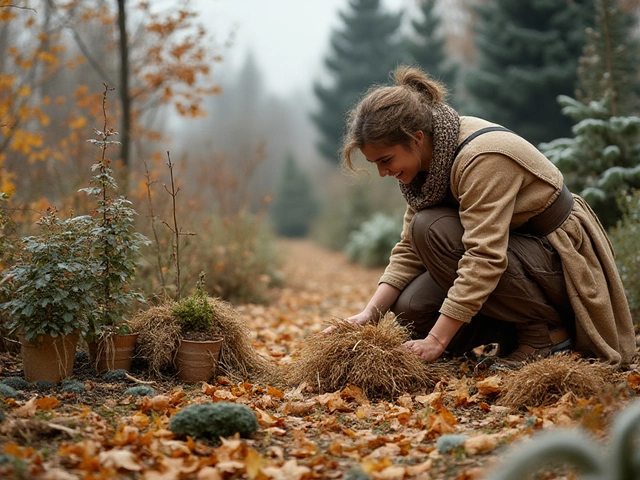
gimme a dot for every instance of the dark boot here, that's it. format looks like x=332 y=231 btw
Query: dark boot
x=535 y=341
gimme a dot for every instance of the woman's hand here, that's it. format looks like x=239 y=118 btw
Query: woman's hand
x=428 y=349
x=361 y=318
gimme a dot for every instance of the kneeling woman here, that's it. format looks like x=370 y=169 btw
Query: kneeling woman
x=494 y=248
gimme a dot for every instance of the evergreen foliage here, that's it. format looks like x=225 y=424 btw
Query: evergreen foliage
x=602 y=160
x=364 y=50
x=611 y=59
x=140 y=391
x=214 y=420
x=370 y=245
x=294 y=206
x=427 y=46
x=528 y=55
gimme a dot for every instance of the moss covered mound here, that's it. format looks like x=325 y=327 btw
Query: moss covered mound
x=214 y=420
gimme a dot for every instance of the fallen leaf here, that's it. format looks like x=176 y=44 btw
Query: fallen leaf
x=119 y=459
x=490 y=385
x=482 y=443
x=298 y=408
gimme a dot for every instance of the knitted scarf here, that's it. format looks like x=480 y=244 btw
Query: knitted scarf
x=429 y=188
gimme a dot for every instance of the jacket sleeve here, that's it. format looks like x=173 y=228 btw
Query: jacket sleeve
x=487 y=191
x=404 y=265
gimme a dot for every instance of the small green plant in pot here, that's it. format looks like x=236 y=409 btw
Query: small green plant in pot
x=50 y=294
x=197 y=356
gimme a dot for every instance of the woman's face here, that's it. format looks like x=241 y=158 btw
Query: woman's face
x=400 y=161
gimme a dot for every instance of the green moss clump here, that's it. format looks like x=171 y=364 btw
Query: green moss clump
x=43 y=386
x=7 y=392
x=115 y=375
x=141 y=391
x=18 y=383
x=73 y=386
x=214 y=420
x=195 y=312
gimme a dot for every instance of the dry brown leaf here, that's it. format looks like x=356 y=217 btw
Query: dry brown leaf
x=298 y=409
x=490 y=385
x=480 y=444
x=28 y=409
x=119 y=459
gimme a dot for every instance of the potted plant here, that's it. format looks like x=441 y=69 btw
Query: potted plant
x=50 y=295
x=198 y=352
x=116 y=244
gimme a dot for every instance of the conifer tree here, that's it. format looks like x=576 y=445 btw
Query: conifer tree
x=364 y=49
x=294 y=206
x=427 y=46
x=528 y=53
x=602 y=160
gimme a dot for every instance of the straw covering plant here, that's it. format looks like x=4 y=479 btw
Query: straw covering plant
x=160 y=330
x=370 y=357
x=546 y=381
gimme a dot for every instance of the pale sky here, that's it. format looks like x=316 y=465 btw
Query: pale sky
x=288 y=38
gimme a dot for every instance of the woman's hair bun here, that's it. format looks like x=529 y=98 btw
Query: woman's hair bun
x=421 y=82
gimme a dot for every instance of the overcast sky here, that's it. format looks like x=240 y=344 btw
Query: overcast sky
x=288 y=38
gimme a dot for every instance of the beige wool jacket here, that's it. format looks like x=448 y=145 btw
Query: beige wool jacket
x=500 y=181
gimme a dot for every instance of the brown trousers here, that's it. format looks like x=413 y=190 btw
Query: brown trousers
x=532 y=288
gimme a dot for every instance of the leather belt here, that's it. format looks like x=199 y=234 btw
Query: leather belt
x=552 y=217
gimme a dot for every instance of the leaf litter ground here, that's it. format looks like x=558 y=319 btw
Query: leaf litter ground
x=305 y=431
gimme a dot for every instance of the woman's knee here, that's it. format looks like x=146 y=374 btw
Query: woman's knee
x=437 y=230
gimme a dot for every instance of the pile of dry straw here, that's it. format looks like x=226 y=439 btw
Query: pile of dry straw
x=370 y=357
x=544 y=382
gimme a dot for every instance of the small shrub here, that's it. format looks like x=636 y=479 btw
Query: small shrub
x=43 y=386
x=116 y=375
x=18 y=383
x=140 y=391
x=214 y=420
x=7 y=392
x=73 y=386
x=194 y=312
x=370 y=245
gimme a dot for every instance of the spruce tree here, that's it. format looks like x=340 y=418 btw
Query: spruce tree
x=364 y=50
x=602 y=160
x=528 y=53
x=294 y=206
x=427 y=46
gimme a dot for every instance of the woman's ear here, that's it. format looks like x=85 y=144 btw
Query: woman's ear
x=418 y=138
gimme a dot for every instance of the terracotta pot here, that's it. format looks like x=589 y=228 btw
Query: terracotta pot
x=51 y=359
x=197 y=361
x=113 y=352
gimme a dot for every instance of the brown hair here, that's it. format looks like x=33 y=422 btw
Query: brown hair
x=390 y=115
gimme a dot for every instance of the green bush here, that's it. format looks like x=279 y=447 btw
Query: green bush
x=625 y=238
x=214 y=420
x=141 y=390
x=7 y=391
x=73 y=386
x=370 y=245
x=18 y=383
x=194 y=312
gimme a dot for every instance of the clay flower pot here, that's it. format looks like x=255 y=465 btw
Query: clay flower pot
x=51 y=359
x=197 y=360
x=113 y=352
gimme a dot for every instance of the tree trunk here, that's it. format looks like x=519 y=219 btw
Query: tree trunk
x=125 y=129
